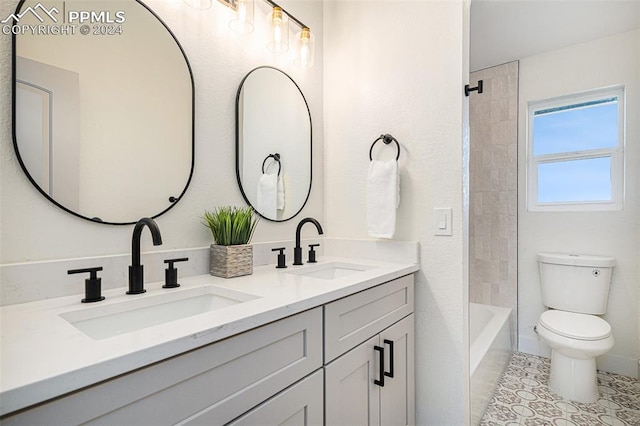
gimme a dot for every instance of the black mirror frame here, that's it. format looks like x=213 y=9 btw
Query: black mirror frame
x=238 y=144
x=172 y=200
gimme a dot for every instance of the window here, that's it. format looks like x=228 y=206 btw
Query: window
x=575 y=156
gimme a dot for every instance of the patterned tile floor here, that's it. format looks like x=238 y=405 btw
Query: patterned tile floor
x=523 y=398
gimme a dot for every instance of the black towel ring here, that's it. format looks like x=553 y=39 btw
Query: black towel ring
x=276 y=157
x=387 y=139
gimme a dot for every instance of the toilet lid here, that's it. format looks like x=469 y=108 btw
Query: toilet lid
x=575 y=326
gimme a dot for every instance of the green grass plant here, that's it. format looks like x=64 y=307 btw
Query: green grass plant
x=231 y=226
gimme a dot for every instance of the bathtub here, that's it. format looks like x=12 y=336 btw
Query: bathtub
x=489 y=352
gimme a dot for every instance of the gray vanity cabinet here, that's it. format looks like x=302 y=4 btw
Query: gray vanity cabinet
x=354 y=390
x=275 y=374
x=212 y=385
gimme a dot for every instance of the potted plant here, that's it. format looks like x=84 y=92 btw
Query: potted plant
x=232 y=229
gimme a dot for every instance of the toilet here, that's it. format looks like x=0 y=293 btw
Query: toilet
x=575 y=288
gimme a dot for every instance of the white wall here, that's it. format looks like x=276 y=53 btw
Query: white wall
x=600 y=63
x=397 y=67
x=34 y=229
x=505 y=31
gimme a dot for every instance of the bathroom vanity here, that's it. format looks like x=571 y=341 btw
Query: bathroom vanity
x=326 y=343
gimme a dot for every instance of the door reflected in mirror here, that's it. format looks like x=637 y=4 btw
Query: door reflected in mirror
x=273 y=144
x=104 y=113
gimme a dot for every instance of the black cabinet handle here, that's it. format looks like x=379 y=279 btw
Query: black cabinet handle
x=390 y=372
x=380 y=382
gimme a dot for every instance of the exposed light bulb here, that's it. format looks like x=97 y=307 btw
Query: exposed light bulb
x=279 y=24
x=242 y=16
x=277 y=38
x=242 y=12
x=304 y=48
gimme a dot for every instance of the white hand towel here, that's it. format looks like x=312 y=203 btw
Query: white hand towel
x=383 y=198
x=280 y=196
x=267 y=197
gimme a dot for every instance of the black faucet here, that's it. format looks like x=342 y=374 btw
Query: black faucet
x=297 y=251
x=136 y=270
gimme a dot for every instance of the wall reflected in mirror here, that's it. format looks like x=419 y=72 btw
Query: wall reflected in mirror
x=273 y=144
x=104 y=116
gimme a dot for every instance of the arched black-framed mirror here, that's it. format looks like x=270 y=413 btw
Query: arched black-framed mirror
x=103 y=108
x=273 y=144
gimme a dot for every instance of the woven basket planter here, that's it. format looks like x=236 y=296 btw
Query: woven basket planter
x=231 y=261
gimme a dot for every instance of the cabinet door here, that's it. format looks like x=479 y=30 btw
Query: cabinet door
x=356 y=318
x=397 y=395
x=301 y=404
x=351 y=397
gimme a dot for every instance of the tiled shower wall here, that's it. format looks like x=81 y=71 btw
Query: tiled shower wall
x=493 y=188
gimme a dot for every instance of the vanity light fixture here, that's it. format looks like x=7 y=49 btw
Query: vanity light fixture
x=278 y=24
x=304 y=39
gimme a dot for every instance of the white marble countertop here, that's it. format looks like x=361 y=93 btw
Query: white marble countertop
x=44 y=356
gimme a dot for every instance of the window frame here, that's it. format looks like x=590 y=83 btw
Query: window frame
x=616 y=154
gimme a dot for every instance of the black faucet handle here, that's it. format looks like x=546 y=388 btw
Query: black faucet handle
x=282 y=260
x=92 y=285
x=171 y=273
x=93 y=271
x=312 y=253
x=176 y=260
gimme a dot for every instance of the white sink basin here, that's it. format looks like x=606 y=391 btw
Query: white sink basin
x=108 y=320
x=331 y=271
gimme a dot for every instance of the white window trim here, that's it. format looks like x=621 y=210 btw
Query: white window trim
x=616 y=154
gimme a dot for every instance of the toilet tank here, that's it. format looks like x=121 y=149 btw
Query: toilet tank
x=575 y=283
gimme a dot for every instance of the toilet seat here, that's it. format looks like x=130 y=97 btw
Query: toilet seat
x=575 y=326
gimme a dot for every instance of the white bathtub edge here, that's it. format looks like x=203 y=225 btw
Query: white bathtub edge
x=489 y=355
